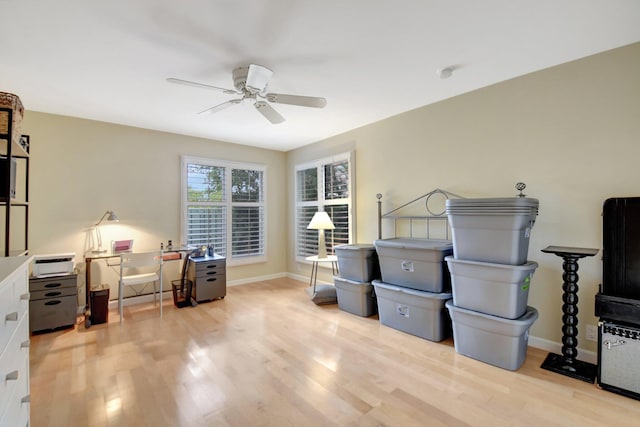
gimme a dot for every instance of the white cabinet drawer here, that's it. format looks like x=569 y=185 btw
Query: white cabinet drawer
x=17 y=408
x=14 y=363
x=14 y=301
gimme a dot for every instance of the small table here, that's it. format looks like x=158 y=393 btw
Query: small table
x=567 y=364
x=314 y=267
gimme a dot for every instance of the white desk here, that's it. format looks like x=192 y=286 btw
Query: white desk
x=315 y=260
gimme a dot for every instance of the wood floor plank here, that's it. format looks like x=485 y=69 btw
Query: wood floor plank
x=267 y=356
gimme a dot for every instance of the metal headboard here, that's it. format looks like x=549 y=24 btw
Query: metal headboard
x=412 y=219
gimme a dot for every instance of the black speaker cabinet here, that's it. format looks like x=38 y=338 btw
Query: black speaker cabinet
x=619 y=358
x=621 y=247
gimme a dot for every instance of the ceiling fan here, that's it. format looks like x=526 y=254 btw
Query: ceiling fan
x=251 y=85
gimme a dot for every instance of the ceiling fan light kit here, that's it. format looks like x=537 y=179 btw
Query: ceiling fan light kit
x=251 y=83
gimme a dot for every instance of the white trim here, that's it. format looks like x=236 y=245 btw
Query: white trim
x=229 y=166
x=348 y=156
x=246 y=281
x=554 y=347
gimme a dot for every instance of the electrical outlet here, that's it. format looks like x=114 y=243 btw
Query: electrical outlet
x=592 y=333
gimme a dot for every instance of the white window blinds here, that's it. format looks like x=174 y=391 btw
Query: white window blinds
x=323 y=185
x=224 y=205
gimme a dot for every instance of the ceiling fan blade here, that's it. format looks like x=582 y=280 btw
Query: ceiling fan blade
x=269 y=113
x=222 y=106
x=200 y=85
x=304 y=101
x=257 y=78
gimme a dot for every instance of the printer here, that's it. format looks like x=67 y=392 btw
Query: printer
x=52 y=265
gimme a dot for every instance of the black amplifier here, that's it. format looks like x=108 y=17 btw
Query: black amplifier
x=619 y=358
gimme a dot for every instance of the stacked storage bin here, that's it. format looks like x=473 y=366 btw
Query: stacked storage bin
x=415 y=286
x=358 y=266
x=490 y=278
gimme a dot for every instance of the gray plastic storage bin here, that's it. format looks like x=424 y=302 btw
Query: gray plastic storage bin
x=358 y=262
x=496 y=289
x=355 y=297
x=494 y=340
x=493 y=230
x=415 y=312
x=415 y=263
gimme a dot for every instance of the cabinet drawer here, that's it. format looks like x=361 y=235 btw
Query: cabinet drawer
x=17 y=410
x=14 y=300
x=14 y=363
x=213 y=272
x=52 y=313
x=210 y=265
x=53 y=283
x=53 y=293
x=210 y=288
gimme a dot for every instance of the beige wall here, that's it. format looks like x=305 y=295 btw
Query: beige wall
x=81 y=168
x=571 y=133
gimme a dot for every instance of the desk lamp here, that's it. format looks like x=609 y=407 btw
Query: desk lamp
x=321 y=222
x=109 y=216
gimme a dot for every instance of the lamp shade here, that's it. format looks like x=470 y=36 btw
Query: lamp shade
x=321 y=221
x=109 y=216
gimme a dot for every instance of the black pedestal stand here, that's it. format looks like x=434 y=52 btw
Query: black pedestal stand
x=567 y=364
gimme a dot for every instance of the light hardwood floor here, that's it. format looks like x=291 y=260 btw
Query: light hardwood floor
x=267 y=356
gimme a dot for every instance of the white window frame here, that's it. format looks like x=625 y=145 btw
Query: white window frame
x=229 y=166
x=321 y=203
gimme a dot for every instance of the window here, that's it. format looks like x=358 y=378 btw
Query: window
x=223 y=204
x=325 y=185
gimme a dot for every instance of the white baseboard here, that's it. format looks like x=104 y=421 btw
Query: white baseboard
x=305 y=279
x=256 y=279
x=555 y=347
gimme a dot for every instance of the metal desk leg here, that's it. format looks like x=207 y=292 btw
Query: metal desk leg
x=87 y=290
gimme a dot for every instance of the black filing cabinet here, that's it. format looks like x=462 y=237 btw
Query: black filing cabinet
x=52 y=302
x=209 y=277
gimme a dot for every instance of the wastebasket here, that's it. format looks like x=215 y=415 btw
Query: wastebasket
x=99 y=296
x=181 y=292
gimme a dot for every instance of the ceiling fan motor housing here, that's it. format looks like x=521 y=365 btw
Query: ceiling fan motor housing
x=240 y=78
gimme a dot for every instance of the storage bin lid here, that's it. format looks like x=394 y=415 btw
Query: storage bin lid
x=496 y=324
x=377 y=284
x=356 y=247
x=529 y=265
x=414 y=243
x=493 y=201
x=343 y=283
x=488 y=202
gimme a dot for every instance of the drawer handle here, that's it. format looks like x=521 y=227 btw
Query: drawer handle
x=26 y=399
x=211 y=266
x=11 y=376
x=54 y=302
x=211 y=273
x=25 y=296
x=212 y=279
x=25 y=344
x=11 y=317
x=53 y=285
x=53 y=294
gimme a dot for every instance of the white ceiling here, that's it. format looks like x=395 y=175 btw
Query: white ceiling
x=371 y=59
